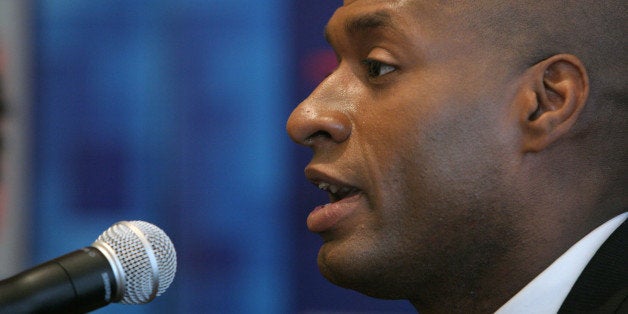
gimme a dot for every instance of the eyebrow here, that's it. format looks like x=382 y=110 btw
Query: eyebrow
x=364 y=23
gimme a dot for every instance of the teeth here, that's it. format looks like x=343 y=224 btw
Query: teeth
x=333 y=189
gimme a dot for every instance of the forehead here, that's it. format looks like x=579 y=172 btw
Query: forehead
x=357 y=6
x=407 y=20
x=360 y=16
x=458 y=24
x=396 y=2
x=400 y=14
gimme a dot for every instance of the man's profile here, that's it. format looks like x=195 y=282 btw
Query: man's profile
x=466 y=147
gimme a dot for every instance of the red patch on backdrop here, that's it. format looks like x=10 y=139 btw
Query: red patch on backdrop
x=318 y=64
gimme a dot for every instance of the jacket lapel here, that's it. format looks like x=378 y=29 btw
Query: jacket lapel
x=603 y=285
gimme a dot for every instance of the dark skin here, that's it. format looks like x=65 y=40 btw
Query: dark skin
x=454 y=160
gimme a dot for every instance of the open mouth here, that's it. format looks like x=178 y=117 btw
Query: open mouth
x=337 y=192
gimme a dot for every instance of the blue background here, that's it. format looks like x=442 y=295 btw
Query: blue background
x=174 y=112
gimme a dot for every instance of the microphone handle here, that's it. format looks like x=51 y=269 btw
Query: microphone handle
x=78 y=282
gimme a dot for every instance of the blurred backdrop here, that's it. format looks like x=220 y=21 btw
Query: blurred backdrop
x=173 y=112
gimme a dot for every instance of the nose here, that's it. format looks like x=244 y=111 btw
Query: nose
x=320 y=118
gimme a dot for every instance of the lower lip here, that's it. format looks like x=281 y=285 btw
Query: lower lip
x=325 y=217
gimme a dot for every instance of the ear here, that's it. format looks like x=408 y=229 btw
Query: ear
x=555 y=92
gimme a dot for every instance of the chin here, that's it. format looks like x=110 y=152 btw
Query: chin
x=361 y=271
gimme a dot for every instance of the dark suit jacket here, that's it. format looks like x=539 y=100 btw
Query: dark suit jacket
x=603 y=285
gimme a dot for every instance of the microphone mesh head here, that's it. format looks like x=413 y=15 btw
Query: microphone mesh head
x=146 y=256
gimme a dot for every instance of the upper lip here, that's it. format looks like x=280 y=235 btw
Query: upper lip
x=336 y=188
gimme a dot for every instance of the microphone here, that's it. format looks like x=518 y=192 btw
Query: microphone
x=132 y=262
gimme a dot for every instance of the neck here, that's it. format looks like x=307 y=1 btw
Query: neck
x=484 y=295
x=485 y=287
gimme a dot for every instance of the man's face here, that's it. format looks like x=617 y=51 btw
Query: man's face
x=411 y=137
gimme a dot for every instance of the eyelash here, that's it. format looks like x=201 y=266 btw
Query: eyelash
x=374 y=68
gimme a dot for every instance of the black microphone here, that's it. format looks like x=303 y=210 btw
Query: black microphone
x=132 y=262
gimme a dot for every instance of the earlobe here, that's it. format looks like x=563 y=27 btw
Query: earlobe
x=558 y=91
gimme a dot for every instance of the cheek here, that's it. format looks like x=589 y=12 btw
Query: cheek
x=428 y=161
x=394 y=169
x=431 y=146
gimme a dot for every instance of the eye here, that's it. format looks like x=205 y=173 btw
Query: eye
x=376 y=68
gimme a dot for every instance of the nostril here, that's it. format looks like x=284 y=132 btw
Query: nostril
x=319 y=134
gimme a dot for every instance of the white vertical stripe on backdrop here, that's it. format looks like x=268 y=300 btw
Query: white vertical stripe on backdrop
x=15 y=74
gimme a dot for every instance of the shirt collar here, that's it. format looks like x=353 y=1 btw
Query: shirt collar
x=548 y=290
